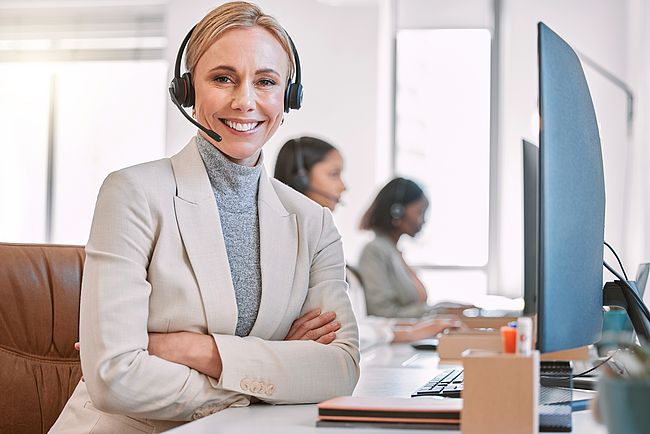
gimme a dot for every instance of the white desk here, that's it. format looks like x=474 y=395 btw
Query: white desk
x=391 y=370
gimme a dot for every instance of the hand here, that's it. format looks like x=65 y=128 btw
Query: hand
x=314 y=326
x=458 y=310
x=425 y=329
x=77 y=347
x=195 y=350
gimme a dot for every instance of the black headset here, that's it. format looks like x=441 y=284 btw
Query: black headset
x=300 y=180
x=181 y=89
x=397 y=209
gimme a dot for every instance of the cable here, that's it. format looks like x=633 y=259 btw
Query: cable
x=630 y=290
x=595 y=367
x=582 y=373
x=617 y=258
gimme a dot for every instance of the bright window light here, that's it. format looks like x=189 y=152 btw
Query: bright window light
x=106 y=116
x=23 y=151
x=443 y=140
x=110 y=115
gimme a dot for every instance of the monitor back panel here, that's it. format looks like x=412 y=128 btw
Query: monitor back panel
x=572 y=201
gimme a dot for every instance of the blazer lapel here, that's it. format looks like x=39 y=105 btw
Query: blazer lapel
x=198 y=221
x=278 y=254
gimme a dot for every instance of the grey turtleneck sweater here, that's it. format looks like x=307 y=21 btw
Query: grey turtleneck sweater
x=235 y=189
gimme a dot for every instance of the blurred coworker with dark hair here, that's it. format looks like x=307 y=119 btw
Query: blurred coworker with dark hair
x=314 y=167
x=392 y=287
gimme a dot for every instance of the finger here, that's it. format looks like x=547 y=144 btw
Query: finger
x=77 y=346
x=315 y=334
x=327 y=339
x=318 y=333
x=314 y=324
x=300 y=321
x=322 y=319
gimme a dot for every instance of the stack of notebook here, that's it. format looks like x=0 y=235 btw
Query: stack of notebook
x=422 y=413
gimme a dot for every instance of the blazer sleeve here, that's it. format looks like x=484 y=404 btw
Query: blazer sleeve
x=290 y=372
x=386 y=294
x=120 y=375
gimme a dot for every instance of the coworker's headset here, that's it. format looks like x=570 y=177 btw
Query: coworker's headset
x=181 y=88
x=300 y=180
x=397 y=209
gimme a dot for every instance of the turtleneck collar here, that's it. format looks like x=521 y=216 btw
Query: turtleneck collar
x=235 y=186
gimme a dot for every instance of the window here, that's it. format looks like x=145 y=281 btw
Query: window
x=87 y=96
x=442 y=141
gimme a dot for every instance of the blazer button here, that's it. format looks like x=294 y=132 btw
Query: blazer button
x=245 y=384
x=256 y=387
x=270 y=388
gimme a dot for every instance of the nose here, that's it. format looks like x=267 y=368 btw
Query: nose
x=243 y=98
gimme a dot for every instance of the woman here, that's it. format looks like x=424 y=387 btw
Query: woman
x=392 y=287
x=203 y=277
x=314 y=167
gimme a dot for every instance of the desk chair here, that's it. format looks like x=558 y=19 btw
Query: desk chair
x=39 y=324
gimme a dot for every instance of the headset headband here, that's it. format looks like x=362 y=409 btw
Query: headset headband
x=183 y=88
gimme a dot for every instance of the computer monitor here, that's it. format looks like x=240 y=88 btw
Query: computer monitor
x=571 y=202
x=642 y=278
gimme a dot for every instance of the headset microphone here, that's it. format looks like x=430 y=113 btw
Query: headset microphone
x=210 y=133
x=325 y=195
x=181 y=89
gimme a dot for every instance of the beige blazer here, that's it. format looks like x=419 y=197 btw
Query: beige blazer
x=156 y=262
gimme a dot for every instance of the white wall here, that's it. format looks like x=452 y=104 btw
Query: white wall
x=637 y=234
x=601 y=30
x=338 y=47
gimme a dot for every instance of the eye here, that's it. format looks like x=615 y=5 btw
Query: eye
x=266 y=82
x=222 y=79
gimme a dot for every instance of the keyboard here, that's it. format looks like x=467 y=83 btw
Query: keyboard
x=555 y=396
x=449 y=384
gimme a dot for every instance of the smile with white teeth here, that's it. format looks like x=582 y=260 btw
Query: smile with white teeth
x=243 y=127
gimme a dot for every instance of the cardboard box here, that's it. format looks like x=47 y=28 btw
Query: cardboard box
x=581 y=353
x=452 y=345
x=487 y=322
x=500 y=394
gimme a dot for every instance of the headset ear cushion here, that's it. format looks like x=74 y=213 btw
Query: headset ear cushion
x=183 y=90
x=177 y=88
x=187 y=90
x=397 y=211
x=293 y=97
x=301 y=182
x=287 y=98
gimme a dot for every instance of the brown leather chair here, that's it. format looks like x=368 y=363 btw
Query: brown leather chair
x=39 y=324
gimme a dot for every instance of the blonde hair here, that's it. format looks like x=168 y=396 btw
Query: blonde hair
x=233 y=15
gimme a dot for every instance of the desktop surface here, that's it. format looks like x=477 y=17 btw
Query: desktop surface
x=386 y=370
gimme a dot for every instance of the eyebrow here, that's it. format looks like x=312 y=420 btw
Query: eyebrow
x=233 y=70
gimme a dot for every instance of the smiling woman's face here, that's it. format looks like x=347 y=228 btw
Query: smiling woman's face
x=239 y=83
